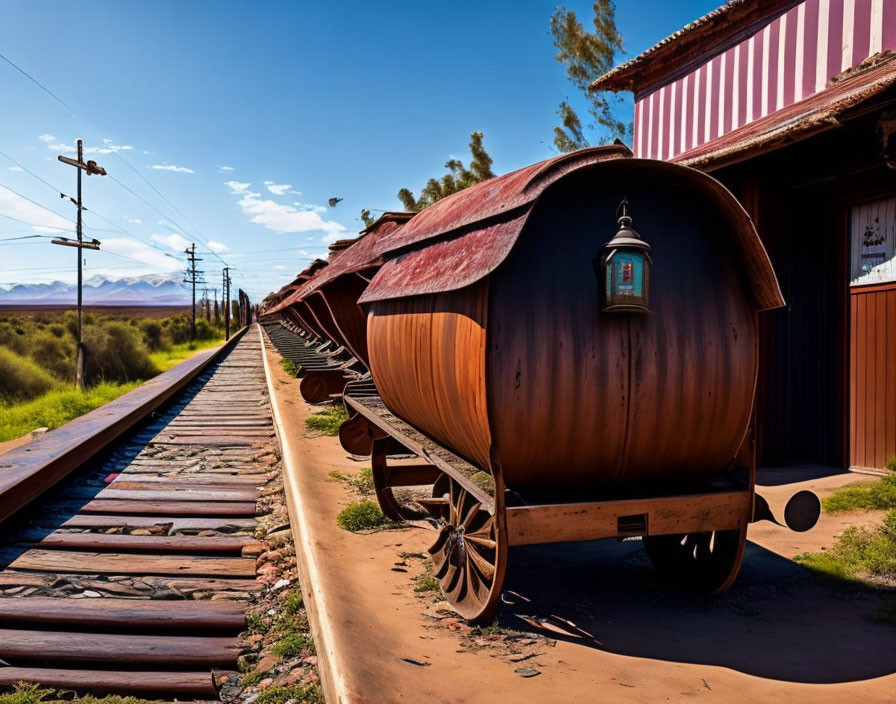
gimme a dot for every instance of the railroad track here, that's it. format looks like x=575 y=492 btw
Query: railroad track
x=133 y=575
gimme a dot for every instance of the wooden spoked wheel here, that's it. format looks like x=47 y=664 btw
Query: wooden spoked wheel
x=470 y=553
x=706 y=562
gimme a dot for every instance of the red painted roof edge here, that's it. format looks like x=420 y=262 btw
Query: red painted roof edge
x=699 y=40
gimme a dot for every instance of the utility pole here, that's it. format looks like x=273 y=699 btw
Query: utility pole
x=217 y=316
x=205 y=303
x=194 y=276
x=226 y=302
x=91 y=168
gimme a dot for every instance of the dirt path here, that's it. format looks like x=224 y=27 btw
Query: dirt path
x=581 y=622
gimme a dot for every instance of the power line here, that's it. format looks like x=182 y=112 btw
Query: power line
x=34 y=202
x=39 y=85
x=31 y=224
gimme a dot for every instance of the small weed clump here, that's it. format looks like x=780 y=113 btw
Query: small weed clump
x=427 y=583
x=362 y=482
x=293 y=645
x=859 y=552
x=296 y=694
x=880 y=495
x=362 y=515
x=32 y=694
x=291 y=368
x=327 y=421
x=891 y=464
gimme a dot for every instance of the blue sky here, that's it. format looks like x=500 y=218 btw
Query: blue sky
x=247 y=117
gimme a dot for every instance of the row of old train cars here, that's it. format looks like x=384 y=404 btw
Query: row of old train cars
x=570 y=352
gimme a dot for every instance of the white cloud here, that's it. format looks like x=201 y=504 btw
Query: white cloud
x=222 y=169
x=15 y=168
x=135 y=221
x=172 y=167
x=268 y=183
x=279 y=266
x=107 y=148
x=47 y=138
x=20 y=209
x=174 y=241
x=142 y=252
x=217 y=246
x=278 y=189
x=237 y=187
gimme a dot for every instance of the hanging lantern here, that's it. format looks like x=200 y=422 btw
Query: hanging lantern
x=624 y=268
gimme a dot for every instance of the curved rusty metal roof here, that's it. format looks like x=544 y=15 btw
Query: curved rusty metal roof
x=463 y=238
x=364 y=253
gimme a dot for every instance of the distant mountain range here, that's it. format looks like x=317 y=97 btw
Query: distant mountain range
x=152 y=289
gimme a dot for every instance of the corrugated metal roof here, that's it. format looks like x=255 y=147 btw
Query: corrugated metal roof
x=710 y=34
x=817 y=113
x=364 y=253
x=468 y=237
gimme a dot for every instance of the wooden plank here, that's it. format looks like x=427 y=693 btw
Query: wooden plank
x=72 y=562
x=191 y=508
x=555 y=523
x=122 y=614
x=101 y=682
x=176 y=523
x=20 y=646
x=58 y=540
x=173 y=494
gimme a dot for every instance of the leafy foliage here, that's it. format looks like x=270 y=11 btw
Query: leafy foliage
x=587 y=56
x=367 y=217
x=458 y=178
x=21 y=378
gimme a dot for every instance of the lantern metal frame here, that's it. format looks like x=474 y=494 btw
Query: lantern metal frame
x=625 y=241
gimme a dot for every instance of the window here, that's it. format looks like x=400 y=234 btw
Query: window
x=873 y=243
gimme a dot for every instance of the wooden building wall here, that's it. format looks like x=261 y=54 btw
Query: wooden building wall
x=872 y=427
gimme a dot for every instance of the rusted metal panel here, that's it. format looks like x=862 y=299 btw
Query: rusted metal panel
x=434 y=254
x=460 y=261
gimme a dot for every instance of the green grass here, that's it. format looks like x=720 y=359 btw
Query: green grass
x=170 y=358
x=291 y=368
x=362 y=482
x=297 y=694
x=858 y=553
x=56 y=408
x=33 y=694
x=879 y=495
x=293 y=645
x=327 y=421
x=362 y=515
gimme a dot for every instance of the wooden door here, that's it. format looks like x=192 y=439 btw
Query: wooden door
x=872 y=373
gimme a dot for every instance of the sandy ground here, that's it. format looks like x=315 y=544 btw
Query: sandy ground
x=602 y=628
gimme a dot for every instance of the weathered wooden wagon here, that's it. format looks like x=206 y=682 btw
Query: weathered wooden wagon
x=329 y=298
x=562 y=386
